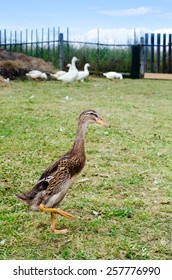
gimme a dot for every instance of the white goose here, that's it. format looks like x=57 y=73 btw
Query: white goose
x=36 y=74
x=83 y=74
x=69 y=65
x=113 y=75
x=60 y=73
x=72 y=74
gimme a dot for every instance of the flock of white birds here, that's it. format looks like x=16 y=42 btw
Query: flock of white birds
x=72 y=75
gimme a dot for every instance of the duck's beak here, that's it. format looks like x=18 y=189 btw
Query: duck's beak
x=102 y=122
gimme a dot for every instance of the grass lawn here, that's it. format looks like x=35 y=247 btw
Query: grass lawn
x=126 y=182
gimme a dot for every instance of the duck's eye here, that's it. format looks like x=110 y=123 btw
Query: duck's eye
x=93 y=114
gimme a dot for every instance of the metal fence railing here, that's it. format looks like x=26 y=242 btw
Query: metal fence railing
x=156 y=50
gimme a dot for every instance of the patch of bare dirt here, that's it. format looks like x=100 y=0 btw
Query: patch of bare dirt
x=158 y=76
x=16 y=65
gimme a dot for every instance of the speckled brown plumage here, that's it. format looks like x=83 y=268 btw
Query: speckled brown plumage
x=53 y=184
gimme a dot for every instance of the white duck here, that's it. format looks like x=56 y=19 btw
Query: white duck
x=69 y=65
x=113 y=75
x=72 y=74
x=60 y=73
x=36 y=74
x=83 y=74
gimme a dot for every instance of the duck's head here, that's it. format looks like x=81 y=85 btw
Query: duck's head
x=90 y=116
x=44 y=76
x=74 y=59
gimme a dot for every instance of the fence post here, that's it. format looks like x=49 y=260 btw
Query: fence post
x=135 y=63
x=54 y=35
x=169 y=53
x=61 y=51
x=37 y=39
x=146 y=51
x=11 y=36
x=164 y=54
x=67 y=51
x=142 y=58
x=15 y=41
x=26 y=41
x=5 y=38
x=21 y=41
x=98 y=51
x=152 y=53
x=48 y=43
x=31 y=42
x=158 y=52
x=42 y=44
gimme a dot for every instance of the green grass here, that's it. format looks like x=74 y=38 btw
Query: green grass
x=128 y=167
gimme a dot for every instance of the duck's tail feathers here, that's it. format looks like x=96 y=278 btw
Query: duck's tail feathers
x=23 y=198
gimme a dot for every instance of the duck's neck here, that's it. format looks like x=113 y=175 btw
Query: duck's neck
x=79 y=139
x=86 y=68
x=73 y=66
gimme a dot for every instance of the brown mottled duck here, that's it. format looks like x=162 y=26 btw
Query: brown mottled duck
x=54 y=183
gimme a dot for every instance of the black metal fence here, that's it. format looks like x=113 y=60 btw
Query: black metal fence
x=155 y=50
x=157 y=53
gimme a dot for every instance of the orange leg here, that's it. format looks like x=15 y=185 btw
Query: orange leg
x=52 y=227
x=54 y=211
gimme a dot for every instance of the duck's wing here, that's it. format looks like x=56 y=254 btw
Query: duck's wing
x=52 y=176
x=49 y=171
x=55 y=180
x=50 y=182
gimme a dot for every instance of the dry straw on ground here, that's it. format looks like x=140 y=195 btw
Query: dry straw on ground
x=16 y=65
